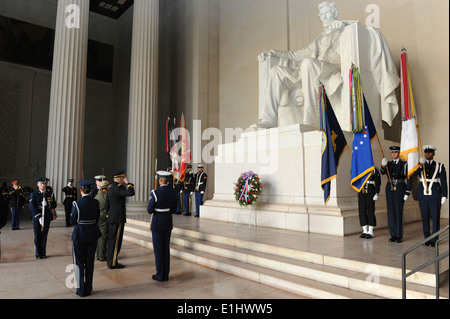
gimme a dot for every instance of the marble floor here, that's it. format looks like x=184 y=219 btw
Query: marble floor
x=24 y=277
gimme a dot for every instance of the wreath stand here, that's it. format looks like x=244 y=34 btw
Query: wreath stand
x=249 y=212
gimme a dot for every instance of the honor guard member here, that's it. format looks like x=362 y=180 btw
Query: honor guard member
x=41 y=204
x=188 y=189
x=162 y=203
x=115 y=206
x=71 y=195
x=398 y=189
x=17 y=202
x=177 y=186
x=98 y=180
x=432 y=192
x=366 y=204
x=200 y=186
x=103 y=221
x=85 y=215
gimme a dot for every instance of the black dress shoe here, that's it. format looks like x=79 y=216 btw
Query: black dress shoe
x=363 y=235
x=369 y=236
x=392 y=239
x=187 y=214
x=398 y=240
x=156 y=278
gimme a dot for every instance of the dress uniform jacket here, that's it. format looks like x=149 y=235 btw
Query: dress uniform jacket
x=401 y=186
x=35 y=205
x=85 y=215
x=435 y=181
x=188 y=188
x=115 y=202
x=71 y=196
x=162 y=203
x=366 y=204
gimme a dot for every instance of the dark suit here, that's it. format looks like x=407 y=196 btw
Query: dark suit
x=395 y=195
x=163 y=202
x=40 y=234
x=430 y=203
x=115 y=206
x=85 y=215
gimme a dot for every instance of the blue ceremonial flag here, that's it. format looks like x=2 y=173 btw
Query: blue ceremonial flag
x=333 y=145
x=369 y=122
x=362 y=159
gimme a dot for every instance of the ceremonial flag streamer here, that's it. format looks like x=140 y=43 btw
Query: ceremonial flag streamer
x=333 y=142
x=180 y=152
x=409 y=145
x=356 y=101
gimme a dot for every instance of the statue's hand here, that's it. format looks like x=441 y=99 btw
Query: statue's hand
x=263 y=56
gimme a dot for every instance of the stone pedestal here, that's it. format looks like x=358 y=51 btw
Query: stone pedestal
x=68 y=90
x=143 y=101
x=288 y=160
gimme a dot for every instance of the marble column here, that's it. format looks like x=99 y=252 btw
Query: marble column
x=143 y=100
x=67 y=98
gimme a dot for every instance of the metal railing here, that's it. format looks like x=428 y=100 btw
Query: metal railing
x=435 y=260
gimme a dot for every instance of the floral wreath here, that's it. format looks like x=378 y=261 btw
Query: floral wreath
x=248 y=188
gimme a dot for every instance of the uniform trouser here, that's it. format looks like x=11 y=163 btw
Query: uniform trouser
x=395 y=202
x=84 y=257
x=68 y=211
x=40 y=237
x=430 y=208
x=161 y=248
x=178 y=203
x=198 y=203
x=16 y=215
x=103 y=240
x=187 y=203
x=366 y=207
x=115 y=237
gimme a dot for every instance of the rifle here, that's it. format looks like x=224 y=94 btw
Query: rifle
x=42 y=219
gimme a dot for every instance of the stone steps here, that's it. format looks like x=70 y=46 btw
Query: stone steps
x=303 y=273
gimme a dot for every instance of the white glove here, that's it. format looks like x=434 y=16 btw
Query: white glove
x=41 y=221
x=191 y=193
x=443 y=200
x=202 y=193
x=384 y=162
x=181 y=192
x=422 y=160
x=405 y=198
x=375 y=197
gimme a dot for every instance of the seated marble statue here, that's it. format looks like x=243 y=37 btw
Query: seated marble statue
x=292 y=78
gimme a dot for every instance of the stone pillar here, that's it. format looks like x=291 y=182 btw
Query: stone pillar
x=143 y=100
x=68 y=90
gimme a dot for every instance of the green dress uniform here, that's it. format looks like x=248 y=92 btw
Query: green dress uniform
x=103 y=226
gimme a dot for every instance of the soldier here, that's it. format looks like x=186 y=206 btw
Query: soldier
x=117 y=217
x=85 y=215
x=397 y=192
x=71 y=195
x=98 y=180
x=177 y=186
x=200 y=186
x=17 y=202
x=366 y=204
x=162 y=203
x=188 y=190
x=103 y=221
x=42 y=202
x=432 y=191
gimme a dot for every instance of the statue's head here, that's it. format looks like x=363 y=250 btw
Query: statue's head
x=328 y=12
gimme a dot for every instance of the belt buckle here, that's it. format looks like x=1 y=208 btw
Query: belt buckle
x=393 y=187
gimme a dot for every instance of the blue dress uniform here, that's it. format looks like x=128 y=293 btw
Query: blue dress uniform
x=395 y=194
x=366 y=204
x=41 y=230
x=431 y=193
x=85 y=215
x=188 y=188
x=200 y=186
x=71 y=195
x=162 y=204
x=178 y=187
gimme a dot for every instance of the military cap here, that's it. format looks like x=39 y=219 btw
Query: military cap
x=189 y=166
x=86 y=183
x=119 y=174
x=99 y=177
x=200 y=166
x=104 y=184
x=42 y=180
x=429 y=148
x=70 y=180
x=395 y=148
x=164 y=174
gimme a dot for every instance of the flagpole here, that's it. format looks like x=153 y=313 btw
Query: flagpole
x=382 y=154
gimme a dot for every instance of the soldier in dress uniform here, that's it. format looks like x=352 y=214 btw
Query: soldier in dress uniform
x=200 y=186
x=85 y=215
x=177 y=186
x=98 y=180
x=71 y=195
x=188 y=189
x=162 y=204
x=42 y=202
x=366 y=204
x=117 y=217
x=432 y=191
x=17 y=202
x=398 y=189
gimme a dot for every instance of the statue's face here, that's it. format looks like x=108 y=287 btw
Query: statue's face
x=327 y=16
